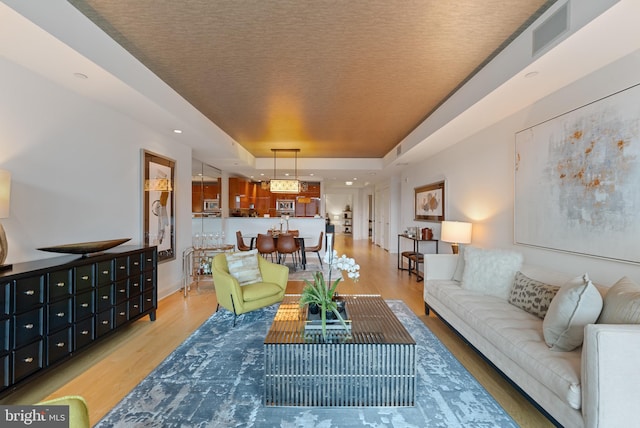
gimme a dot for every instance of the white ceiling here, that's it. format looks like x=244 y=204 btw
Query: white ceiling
x=52 y=48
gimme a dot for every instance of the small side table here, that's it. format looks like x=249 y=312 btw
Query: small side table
x=196 y=262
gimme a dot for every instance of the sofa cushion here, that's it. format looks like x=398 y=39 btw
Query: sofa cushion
x=490 y=271
x=576 y=304
x=259 y=291
x=243 y=266
x=531 y=295
x=621 y=303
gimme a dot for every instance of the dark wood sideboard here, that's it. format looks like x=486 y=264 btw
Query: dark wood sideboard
x=51 y=309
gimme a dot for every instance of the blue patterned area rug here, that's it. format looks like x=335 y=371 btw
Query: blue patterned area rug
x=214 y=379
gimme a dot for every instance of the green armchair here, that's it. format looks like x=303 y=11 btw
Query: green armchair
x=240 y=299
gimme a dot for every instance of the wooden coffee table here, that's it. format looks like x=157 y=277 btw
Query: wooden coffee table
x=373 y=366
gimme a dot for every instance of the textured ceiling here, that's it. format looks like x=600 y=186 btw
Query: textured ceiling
x=333 y=78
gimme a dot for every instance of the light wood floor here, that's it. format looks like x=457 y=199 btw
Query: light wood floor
x=108 y=370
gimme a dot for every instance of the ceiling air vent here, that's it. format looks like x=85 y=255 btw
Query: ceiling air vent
x=399 y=150
x=550 y=29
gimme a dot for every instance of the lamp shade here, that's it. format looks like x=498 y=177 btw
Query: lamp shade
x=5 y=193
x=284 y=186
x=458 y=232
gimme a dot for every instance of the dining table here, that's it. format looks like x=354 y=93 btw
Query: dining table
x=299 y=240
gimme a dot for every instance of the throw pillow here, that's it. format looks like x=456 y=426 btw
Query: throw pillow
x=244 y=267
x=457 y=275
x=621 y=303
x=490 y=271
x=577 y=304
x=531 y=295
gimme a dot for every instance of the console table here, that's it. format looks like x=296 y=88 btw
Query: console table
x=415 y=253
x=373 y=366
x=52 y=308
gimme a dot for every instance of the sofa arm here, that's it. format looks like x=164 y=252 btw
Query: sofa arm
x=610 y=375
x=440 y=266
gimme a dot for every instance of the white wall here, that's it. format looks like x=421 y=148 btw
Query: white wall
x=76 y=171
x=480 y=177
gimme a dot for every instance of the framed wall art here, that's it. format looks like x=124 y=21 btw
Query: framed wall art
x=159 y=225
x=576 y=180
x=429 y=202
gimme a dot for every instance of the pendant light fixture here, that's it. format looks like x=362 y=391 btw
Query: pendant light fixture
x=284 y=185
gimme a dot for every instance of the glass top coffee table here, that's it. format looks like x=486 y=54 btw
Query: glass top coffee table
x=374 y=365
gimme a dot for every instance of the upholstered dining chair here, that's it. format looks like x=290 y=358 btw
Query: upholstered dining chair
x=245 y=281
x=316 y=248
x=240 y=242
x=266 y=245
x=287 y=245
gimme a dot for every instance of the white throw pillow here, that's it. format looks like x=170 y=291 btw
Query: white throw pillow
x=490 y=271
x=244 y=267
x=621 y=303
x=576 y=304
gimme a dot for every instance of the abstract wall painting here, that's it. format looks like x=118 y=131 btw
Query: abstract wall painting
x=159 y=204
x=577 y=180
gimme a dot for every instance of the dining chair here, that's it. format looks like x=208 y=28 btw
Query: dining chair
x=240 y=242
x=316 y=248
x=266 y=245
x=287 y=245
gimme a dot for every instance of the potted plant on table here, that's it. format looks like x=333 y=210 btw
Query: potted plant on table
x=321 y=295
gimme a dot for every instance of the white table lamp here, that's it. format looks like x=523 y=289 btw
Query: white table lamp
x=456 y=232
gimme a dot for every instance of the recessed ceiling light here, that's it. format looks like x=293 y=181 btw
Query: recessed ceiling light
x=348 y=183
x=80 y=76
x=177 y=131
x=531 y=74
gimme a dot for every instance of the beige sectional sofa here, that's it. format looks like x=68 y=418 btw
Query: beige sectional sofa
x=594 y=385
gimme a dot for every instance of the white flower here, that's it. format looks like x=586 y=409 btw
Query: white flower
x=343 y=263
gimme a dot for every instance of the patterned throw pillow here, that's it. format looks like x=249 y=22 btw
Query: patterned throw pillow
x=244 y=267
x=531 y=295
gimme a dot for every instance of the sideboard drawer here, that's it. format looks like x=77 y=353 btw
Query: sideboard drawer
x=122 y=267
x=59 y=284
x=5 y=376
x=29 y=293
x=27 y=327
x=105 y=297
x=122 y=314
x=84 y=333
x=104 y=272
x=104 y=322
x=135 y=306
x=84 y=305
x=135 y=264
x=122 y=291
x=27 y=360
x=59 y=315
x=83 y=278
x=5 y=326
x=59 y=345
x=5 y=298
